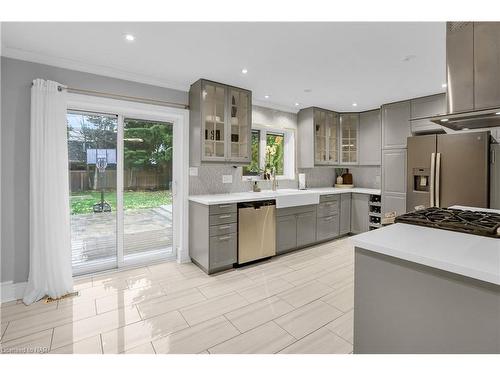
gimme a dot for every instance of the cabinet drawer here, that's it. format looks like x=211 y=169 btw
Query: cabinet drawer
x=327 y=227
x=328 y=208
x=295 y=210
x=222 y=208
x=223 y=218
x=222 y=251
x=219 y=230
x=329 y=197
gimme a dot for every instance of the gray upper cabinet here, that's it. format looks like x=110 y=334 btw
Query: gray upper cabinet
x=370 y=138
x=220 y=123
x=318 y=132
x=349 y=130
x=422 y=109
x=395 y=124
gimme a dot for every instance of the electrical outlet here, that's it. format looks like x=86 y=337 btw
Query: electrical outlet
x=227 y=179
x=193 y=171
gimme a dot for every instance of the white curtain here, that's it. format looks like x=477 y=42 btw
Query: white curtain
x=50 y=245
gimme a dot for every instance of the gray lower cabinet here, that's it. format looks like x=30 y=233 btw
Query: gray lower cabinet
x=345 y=213
x=286 y=233
x=213 y=238
x=306 y=228
x=327 y=227
x=359 y=213
x=295 y=227
x=222 y=251
x=328 y=218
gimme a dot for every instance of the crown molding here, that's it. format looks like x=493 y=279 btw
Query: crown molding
x=275 y=106
x=20 y=54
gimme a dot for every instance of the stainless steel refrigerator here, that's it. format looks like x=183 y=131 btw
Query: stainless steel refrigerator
x=448 y=169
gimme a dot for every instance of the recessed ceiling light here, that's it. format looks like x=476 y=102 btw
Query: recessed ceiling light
x=266 y=96
x=444 y=120
x=296 y=104
x=307 y=90
x=354 y=104
x=129 y=37
x=244 y=70
x=444 y=85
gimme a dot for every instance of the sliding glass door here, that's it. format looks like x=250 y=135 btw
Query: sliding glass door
x=120 y=176
x=147 y=184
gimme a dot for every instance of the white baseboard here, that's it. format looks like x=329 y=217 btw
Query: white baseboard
x=10 y=291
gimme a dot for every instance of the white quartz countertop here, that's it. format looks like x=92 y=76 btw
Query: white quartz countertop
x=250 y=196
x=469 y=255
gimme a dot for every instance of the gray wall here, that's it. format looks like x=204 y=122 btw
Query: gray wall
x=15 y=85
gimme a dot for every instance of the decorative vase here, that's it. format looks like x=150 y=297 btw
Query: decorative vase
x=340 y=180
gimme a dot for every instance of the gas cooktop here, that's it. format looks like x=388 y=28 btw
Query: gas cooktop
x=474 y=222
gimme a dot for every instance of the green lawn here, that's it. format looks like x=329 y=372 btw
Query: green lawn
x=82 y=202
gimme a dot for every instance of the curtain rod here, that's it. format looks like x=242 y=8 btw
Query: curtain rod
x=122 y=97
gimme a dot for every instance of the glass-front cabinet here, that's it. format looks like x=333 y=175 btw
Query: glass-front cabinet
x=220 y=123
x=349 y=126
x=325 y=137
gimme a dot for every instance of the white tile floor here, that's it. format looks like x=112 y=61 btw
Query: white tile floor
x=301 y=302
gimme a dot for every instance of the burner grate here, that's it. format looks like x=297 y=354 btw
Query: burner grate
x=473 y=222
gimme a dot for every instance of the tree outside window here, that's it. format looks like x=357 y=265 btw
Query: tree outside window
x=272 y=155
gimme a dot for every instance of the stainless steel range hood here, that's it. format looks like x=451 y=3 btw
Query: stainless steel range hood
x=472 y=75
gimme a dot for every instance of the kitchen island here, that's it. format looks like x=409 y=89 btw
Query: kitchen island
x=426 y=290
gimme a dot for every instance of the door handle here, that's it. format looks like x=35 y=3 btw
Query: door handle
x=438 y=172
x=225 y=238
x=433 y=172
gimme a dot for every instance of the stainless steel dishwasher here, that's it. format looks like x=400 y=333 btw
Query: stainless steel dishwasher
x=256 y=230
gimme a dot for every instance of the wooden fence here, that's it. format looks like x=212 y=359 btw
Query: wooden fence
x=132 y=180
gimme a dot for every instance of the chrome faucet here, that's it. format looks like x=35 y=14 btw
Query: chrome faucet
x=274 y=181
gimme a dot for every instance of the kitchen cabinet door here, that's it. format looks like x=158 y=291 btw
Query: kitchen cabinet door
x=394 y=171
x=345 y=213
x=213 y=117
x=220 y=120
x=370 y=138
x=359 y=213
x=393 y=202
x=320 y=137
x=239 y=145
x=395 y=124
x=306 y=228
x=426 y=107
x=349 y=125
x=327 y=227
x=286 y=233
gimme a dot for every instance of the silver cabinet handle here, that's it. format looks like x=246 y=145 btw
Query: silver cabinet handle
x=225 y=227
x=224 y=216
x=433 y=172
x=329 y=218
x=225 y=238
x=438 y=172
x=224 y=205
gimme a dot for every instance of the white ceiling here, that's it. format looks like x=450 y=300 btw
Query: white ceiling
x=340 y=63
